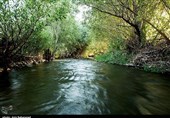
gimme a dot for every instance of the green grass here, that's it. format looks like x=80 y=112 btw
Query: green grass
x=116 y=57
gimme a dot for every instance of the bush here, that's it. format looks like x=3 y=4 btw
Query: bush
x=107 y=57
x=116 y=57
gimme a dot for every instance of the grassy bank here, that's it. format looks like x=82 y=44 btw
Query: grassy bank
x=116 y=57
x=149 y=62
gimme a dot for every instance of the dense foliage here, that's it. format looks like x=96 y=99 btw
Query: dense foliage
x=29 y=27
x=115 y=31
x=132 y=28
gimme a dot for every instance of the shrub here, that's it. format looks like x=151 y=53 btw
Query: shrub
x=116 y=57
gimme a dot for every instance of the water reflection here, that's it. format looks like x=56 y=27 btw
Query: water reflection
x=85 y=87
x=4 y=81
x=158 y=102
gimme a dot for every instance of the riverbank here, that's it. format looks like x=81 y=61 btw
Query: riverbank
x=152 y=59
x=29 y=61
x=149 y=68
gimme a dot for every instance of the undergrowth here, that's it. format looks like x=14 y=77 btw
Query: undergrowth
x=116 y=57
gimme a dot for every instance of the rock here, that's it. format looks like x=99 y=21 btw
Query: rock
x=43 y=60
x=91 y=55
x=35 y=62
x=29 y=65
x=130 y=65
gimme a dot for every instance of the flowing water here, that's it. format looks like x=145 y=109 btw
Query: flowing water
x=83 y=87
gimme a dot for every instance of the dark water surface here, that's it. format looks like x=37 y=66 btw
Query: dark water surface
x=84 y=87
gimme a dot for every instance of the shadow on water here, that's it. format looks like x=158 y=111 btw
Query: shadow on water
x=4 y=81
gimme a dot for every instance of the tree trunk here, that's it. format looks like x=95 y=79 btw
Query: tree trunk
x=139 y=31
x=137 y=39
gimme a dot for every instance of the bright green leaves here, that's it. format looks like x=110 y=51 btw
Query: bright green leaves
x=59 y=10
x=62 y=34
x=70 y=35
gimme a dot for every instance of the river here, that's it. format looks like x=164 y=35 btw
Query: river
x=84 y=87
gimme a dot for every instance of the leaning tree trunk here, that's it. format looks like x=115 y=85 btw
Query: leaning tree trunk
x=139 y=31
x=137 y=38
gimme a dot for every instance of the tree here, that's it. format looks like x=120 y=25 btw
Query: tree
x=71 y=37
x=20 y=21
x=138 y=14
x=158 y=21
x=127 y=10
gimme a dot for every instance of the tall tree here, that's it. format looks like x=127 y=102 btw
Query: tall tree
x=127 y=10
x=135 y=13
